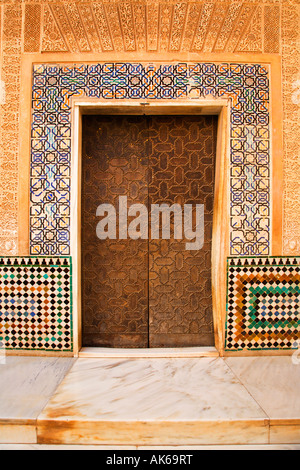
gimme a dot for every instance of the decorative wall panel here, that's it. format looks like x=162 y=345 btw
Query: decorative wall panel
x=10 y=69
x=36 y=303
x=105 y=26
x=160 y=26
x=32 y=28
x=291 y=128
x=247 y=87
x=263 y=301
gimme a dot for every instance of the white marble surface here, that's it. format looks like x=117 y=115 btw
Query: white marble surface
x=203 y=351
x=138 y=402
x=274 y=382
x=27 y=383
x=21 y=433
x=151 y=389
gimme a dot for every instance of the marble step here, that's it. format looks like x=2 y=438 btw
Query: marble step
x=191 y=401
x=162 y=449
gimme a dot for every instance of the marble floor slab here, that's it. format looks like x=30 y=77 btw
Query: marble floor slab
x=166 y=389
x=274 y=382
x=151 y=401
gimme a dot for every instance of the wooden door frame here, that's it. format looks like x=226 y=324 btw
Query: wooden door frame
x=220 y=237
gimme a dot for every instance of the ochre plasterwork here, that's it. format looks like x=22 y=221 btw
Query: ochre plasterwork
x=168 y=30
x=291 y=119
x=201 y=26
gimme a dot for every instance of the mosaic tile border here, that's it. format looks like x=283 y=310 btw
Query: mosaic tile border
x=36 y=303
x=263 y=303
x=246 y=85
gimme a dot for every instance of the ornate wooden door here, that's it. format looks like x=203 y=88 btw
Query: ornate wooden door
x=154 y=292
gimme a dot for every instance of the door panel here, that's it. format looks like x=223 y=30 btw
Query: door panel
x=146 y=293
x=114 y=272
x=182 y=165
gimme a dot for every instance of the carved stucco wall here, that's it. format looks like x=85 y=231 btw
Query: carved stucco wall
x=291 y=128
x=160 y=28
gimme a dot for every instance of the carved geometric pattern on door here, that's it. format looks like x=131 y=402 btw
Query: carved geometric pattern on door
x=114 y=272
x=139 y=293
x=182 y=164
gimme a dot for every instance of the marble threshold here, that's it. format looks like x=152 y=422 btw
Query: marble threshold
x=203 y=351
x=139 y=402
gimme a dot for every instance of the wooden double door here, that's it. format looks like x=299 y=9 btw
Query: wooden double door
x=146 y=292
